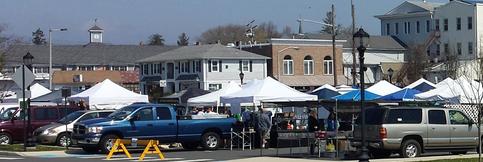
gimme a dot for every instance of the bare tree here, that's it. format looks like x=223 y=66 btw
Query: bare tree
x=270 y=28
x=416 y=64
x=287 y=31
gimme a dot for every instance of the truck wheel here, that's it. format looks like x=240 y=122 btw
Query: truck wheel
x=190 y=145
x=410 y=149
x=107 y=142
x=5 y=139
x=63 y=140
x=210 y=141
x=90 y=149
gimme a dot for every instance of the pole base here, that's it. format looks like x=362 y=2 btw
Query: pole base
x=364 y=157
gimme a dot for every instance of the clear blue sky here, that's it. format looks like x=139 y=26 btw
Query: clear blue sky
x=132 y=21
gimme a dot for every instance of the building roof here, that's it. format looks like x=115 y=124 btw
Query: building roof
x=426 y=5
x=90 y=54
x=472 y=1
x=94 y=77
x=376 y=42
x=211 y=51
x=408 y=8
x=95 y=27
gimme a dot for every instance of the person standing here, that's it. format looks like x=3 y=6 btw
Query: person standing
x=262 y=126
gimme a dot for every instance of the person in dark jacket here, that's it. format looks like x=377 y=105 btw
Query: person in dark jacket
x=313 y=124
x=262 y=126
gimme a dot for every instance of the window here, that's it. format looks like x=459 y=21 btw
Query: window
x=104 y=114
x=470 y=23
x=86 y=68
x=446 y=48
x=437 y=117
x=458 y=48
x=41 y=70
x=397 y=28
x=163 y=113
x=436 y=24
x=409 y=27
x=388 y=29
x=428 y=27
x=328 y=65
x=214 y=66
x=214 y=87
x=198 y=66
x=417 y=26
x=438 y=50
x=445 y=24
x=406 y=116
x=405 y=27
x=456 y=117
x=151 y=69
x=119 y=68
x=470 y=48
x=245 y=65
x=428 y=52
x=145 y=69
x=156 y=69
x=185 y=67
x=287 y=65
x=458 y=23
x=145 y=114
x=308 y=65
x=89 y=116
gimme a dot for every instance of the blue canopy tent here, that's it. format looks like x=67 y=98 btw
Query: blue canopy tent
x=355 y=95
x=325 y=94
x=423 y=87
x=406 y=94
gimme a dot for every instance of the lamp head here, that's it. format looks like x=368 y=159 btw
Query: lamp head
x=27 y=59
x=362 y=37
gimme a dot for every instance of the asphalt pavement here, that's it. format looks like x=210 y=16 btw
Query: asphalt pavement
x=179 y=155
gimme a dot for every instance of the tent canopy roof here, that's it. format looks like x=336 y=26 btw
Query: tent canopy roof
x=213 y=98
x=383 y=88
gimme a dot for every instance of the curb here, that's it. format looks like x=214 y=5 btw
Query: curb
x=9 y=153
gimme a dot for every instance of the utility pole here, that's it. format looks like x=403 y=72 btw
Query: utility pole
x=334 y=58
x=354 y=60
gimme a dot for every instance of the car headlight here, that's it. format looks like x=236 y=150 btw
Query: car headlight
x=94 y=129
x=49 y=131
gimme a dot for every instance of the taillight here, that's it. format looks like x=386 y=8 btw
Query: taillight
x=382 y=133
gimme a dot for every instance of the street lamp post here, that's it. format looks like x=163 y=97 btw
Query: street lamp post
x=390 y=72
x=241 y=75
x=50 y=54
x=363 y=36
x=27 y=62
x=278 y=58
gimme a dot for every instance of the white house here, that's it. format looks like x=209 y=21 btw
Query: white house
x=208 y=67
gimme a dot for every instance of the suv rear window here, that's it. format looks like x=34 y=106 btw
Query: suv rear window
x=404 y=116
x=374 y=116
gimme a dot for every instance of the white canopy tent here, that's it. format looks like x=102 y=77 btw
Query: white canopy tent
x=383 y=88
x=37 y=90
x=461 y=90
x=108 y=95
x=325 y=86
x=213 y=98
x=267 y=90
x=418 y=82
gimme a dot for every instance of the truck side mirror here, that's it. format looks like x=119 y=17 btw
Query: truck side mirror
x=133 y=118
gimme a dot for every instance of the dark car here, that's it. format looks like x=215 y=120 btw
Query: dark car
x=12 y=121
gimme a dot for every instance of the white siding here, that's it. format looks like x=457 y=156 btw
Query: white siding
x=230 y=72
x=412 y=37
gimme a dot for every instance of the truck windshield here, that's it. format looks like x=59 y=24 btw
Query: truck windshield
x=7 y=114
x=71 y=117
x=122 y=113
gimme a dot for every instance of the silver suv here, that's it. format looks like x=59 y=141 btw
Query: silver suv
x=412 y=130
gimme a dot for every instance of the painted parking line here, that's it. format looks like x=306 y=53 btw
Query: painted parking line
x=165 y=159
x=9 y=158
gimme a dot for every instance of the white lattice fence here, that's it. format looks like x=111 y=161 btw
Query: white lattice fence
x=470 y=109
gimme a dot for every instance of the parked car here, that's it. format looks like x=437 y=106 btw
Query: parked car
x=410 y=131
x=12 y=123
x=151 y=121
x=56 y=133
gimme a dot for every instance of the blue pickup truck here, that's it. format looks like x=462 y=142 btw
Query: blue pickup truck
x=151 y=121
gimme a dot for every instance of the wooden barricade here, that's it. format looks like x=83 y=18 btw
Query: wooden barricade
x=151 y=148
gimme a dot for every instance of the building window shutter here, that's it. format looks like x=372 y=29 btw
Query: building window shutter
x=251 y=69
x=188 y=67
x=194 y=66
x=160 y=68
x=209 y=65
x=179 y=67
x=240 y=65
x=199 y=66
x=220 y=66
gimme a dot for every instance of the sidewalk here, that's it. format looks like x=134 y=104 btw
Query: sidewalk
x=427 y=158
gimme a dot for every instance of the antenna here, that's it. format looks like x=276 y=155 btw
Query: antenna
x=95 y=21
x=250 y=33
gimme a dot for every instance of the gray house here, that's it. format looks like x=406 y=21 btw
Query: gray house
x=208 y=67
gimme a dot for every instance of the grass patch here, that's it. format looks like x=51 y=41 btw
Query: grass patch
x=456 y=160
x=19 y=147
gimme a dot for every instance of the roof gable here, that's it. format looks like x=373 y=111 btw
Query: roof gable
x=413 y=7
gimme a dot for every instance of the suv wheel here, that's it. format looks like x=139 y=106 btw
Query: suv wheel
x=211 y=141
x=5 y=139
x=107 y=142
x=410 y=149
